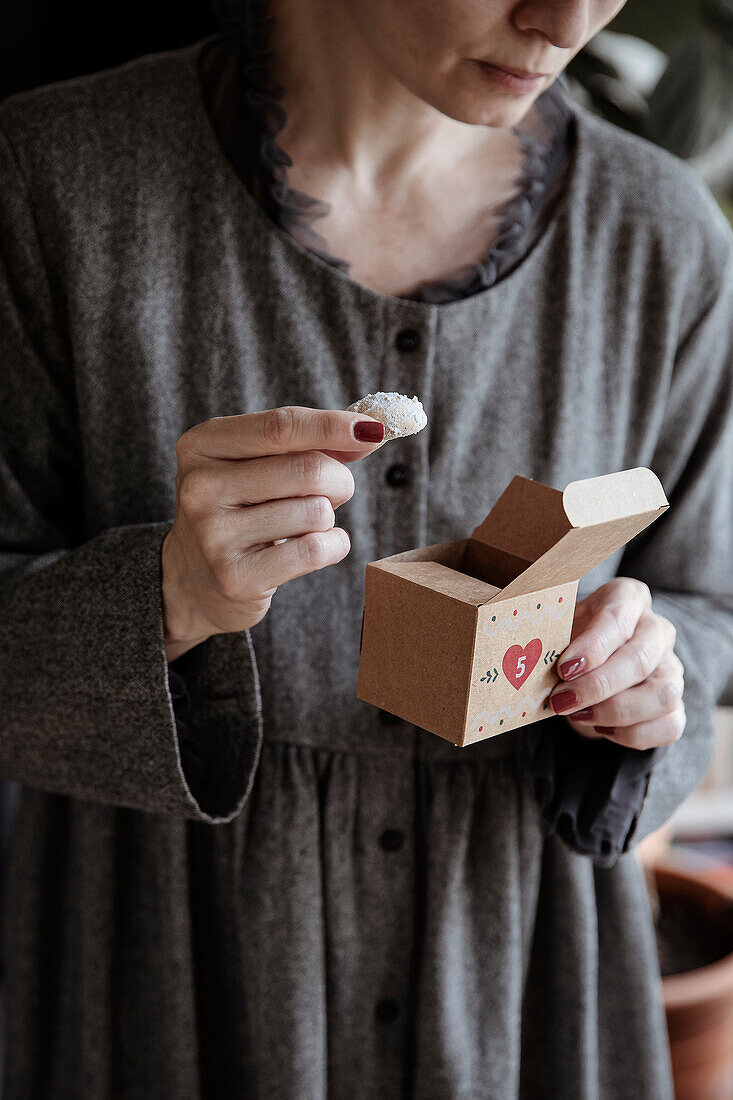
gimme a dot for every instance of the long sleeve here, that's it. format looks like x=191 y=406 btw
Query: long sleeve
x=686 y=558
x=85 y=706
x=603 y=798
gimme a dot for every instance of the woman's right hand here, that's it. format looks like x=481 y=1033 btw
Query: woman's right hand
x=246 y=484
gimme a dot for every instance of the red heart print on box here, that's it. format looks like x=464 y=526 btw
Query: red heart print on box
x=518 y=663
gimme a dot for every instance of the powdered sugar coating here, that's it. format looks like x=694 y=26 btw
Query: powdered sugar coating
x=400 y=415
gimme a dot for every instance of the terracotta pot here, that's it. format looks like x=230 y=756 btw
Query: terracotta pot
x=699 y=1003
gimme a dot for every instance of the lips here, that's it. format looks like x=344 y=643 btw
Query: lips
x=509 y=81
x=524 y=74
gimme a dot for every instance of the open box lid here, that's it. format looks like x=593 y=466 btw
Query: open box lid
x=536 y=537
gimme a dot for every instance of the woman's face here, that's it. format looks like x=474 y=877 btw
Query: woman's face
x=445 y=51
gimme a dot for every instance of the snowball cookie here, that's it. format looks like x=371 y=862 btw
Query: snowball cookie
x=400 y=415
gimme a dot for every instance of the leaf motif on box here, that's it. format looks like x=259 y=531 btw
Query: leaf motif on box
x=517 y=663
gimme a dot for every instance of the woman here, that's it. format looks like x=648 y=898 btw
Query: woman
x=274 y=889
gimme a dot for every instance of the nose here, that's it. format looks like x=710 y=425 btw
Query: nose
x=564 y=23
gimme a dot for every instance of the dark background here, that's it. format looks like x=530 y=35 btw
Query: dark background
x=42 y=41
x=46 y=40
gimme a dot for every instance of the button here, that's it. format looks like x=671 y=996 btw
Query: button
x=389 y=719
x=407 y=339
x=387 y=1011
x=398 y=474
x=392 y=840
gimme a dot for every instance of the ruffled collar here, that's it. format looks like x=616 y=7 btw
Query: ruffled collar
x=244 y=101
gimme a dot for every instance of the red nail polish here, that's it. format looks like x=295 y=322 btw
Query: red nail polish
x=564 y=700
x=581 y=715
x=369 y=431
x=572 y=668
x=604 y=729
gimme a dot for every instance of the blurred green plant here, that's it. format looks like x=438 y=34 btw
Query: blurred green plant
x=662 y=22
x=682 y=101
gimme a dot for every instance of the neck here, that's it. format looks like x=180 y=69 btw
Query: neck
x=346 y=112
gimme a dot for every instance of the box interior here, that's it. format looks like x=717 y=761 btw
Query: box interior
x=537 y=537
x=442 y=568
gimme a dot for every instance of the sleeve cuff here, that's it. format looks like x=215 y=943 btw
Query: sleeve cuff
x=218 y=722
x=87 y=706
x=589 y=791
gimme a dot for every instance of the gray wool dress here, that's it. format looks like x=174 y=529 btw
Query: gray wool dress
x=333 y=906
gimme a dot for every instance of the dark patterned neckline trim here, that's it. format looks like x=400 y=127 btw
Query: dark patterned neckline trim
x=295 y=211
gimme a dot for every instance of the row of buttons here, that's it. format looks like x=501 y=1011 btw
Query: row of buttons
x=392 y=840
x=406 y=340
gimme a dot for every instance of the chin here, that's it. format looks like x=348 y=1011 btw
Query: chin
x=459 y=95
x=485 y=110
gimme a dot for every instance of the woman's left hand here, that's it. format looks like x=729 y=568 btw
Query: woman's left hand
x=632 y=680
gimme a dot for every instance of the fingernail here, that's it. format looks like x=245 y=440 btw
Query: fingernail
x=564 y=700
x=369 y=431
x=572 y=668
x=586 y=712
x=604 y=729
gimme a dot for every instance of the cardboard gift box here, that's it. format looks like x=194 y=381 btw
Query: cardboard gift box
x=462 y=638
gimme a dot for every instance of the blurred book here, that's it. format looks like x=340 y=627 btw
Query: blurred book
x=719 y=775
x=708 y=813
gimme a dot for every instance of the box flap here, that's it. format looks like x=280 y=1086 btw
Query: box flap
x=526 y=521
x=441 y=578
x=613 y=496
x=547 y=537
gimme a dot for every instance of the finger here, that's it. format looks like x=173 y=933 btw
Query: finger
x=236 y=484
x=350 y=456
x=584 y=611
x=276 y=431
x=243 y=529
x=647 y=735
x=617 y=607
x=658 y=695
x=633 y=663
x=275 y=565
